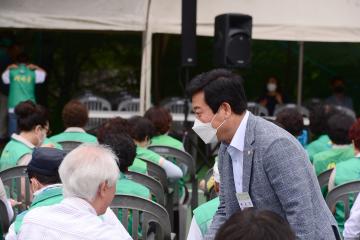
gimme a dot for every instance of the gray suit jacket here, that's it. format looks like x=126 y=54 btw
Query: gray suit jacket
x=279 y=177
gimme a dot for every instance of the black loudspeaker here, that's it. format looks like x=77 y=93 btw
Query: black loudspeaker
x=188 y=33
x=232 y=47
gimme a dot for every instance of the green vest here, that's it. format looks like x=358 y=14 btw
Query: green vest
x=12 y=152
x=346 y=171
x=321 y=144
x=147 y=154
x=166 y=140
x=138 y=166
x=50 y=196
x=328 y=159
x=74 y=136
x=22 y=85
x=205 y=213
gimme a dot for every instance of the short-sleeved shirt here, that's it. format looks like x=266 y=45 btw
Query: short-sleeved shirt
x=124 y=185
x=138 y=166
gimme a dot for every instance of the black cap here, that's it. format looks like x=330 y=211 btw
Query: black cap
x=46 y=161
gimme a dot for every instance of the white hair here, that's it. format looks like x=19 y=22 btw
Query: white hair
x=85 y=168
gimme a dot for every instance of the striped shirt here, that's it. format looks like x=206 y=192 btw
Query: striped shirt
x=73 y=218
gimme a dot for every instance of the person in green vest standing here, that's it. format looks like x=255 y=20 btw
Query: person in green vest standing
x=204 y=213
x=33 y=125
x=22 y=78
x=341 y=150
x=347 y=171
x=319 y=116
x=45 y=183
x=141 y=131
x=75 y=116
x=161 y=119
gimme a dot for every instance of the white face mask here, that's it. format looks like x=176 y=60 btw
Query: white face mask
x=205 y=131
x=42 y=138
x=271 y=87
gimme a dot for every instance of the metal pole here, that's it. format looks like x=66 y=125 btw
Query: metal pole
x=300 y=73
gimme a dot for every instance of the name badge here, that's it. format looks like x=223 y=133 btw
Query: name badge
x=244 y=200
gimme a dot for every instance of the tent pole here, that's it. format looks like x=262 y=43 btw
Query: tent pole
x=145 y=82
x=300 y=73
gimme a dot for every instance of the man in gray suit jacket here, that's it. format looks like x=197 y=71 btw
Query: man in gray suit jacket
x=260 y=164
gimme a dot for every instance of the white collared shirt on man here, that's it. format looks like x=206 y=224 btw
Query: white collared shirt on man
x=236 y=151
x=72 y=219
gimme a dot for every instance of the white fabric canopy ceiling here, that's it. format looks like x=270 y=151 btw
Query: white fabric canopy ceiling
x=294 y=20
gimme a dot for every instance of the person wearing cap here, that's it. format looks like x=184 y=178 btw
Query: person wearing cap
x=75 y=116
x=89 y=174
x=45 y=183
x=204 y=213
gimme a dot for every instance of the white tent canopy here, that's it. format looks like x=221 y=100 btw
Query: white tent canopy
x=306 y=20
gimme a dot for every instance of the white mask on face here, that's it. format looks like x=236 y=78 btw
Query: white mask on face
x=271 y=87
x=42 y=138
x=205 y=131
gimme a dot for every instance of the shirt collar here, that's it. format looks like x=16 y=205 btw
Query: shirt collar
x=75 y=129
x=47 y=187
x=79 y=204
x=238 y=140
x=21 y=139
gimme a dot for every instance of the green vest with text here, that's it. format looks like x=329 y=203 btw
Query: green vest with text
x=22 y=85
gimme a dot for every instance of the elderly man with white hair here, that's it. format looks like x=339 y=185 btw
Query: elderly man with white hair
x=89 y=174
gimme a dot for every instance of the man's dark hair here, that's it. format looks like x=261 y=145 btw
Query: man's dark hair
x=141 y=128
x=319 y=116
x=29 y=115
x=219 y=86
x=123 y=147
x=252 y=224
x=339 y=125
x=43 y=179
x=291 y=120
x=75 y=114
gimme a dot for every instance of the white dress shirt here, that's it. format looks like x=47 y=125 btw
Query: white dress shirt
x=72 y=219
x=236 y=150
x=352 y=225
x=194 y=231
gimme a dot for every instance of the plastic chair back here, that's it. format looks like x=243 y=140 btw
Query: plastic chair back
x=151 y=214
x=342 y=193
x=151 y=183
x=17 y=183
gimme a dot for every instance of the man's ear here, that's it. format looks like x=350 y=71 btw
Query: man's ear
x=227 y=109
x=102 y=189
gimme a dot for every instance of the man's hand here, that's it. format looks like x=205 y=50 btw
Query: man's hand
x=12 y=66
x=32 y=66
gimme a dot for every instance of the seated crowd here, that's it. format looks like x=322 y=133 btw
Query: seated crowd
x=73 y=190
